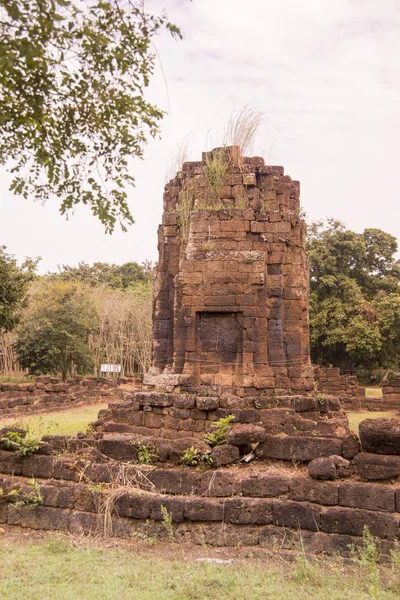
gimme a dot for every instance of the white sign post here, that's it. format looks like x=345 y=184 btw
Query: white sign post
x=106 y=369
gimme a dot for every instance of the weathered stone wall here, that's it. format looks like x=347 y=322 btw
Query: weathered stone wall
x=298 y=428
x=331 y=381
x=49 y=394
x=391 y=390
x=231 y=292
x=264 y=505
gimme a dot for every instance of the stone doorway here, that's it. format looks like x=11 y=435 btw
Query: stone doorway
x=219 y=348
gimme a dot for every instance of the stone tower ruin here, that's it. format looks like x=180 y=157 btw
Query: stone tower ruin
x=231 y=290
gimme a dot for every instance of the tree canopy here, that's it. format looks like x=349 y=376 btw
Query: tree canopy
x=14 y=283
x=354 y=296
x=56 y=329
x=72 y=92
x=114 y=276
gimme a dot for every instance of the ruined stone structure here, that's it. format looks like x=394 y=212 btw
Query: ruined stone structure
x=231 y=292
x=49 y=394
x=230 y=341
x=331 y=381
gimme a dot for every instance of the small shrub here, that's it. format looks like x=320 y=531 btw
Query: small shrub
x=221 y=428
x=146 y=455
x=192 y=457
x=21 y=446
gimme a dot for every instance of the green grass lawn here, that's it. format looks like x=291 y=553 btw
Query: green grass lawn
x=373 y=392
x=67 y=422
x=355 y=418
x=56 y=568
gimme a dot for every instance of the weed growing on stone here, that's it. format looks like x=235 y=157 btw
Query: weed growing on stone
x=20 y=445
x=216 y=173
x=192 y=457
x=249 y=258
x=185 y=206
x=33 y=498
x=146 y=455
x=167 y=522
x=221 y=428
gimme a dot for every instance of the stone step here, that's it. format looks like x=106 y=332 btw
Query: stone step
x=81 y=508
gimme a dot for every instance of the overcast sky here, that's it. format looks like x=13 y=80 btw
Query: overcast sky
x=326 y=73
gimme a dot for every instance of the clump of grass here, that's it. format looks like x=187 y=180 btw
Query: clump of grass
x=216 y=172
x=242 y=128
x=178 y=156
x=367 y=556
x=167 y=522
x=185 y=206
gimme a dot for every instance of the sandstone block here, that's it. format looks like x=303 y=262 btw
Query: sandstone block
x=250 y=511
x=207 y=403
x=265 y=486
x=380 y=436
x=241 y=434
x=352 y=522
x=303 y=489
x=369 y=496
x=204 y=509
x=303 y=449
x=297 y=515
x=225 y=454
x=377 y=466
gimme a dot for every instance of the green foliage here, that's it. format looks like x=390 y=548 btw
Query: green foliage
x=72 y=83
x=192 y=457
x=146 y=454
x=33 y=498
x=221 y=428
x=121 y=277
x=56 y=329
x=167 y=522
x=367 y=555
x=217 y=167
x=14 y=282
x=354 y=296
x=20 y=445
x=185 y=206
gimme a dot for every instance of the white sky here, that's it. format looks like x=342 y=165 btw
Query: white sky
x=326 y=73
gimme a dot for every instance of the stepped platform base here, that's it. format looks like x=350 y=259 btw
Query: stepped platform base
x=289 y=474
x=265 y=503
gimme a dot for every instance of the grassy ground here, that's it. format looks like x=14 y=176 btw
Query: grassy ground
x=67 y=422
x=373 y=392
x=57 y=567
x=355 y=418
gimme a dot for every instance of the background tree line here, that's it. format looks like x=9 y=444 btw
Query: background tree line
x=74 y=320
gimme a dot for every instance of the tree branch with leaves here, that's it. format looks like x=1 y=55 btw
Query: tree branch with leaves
x=72 y=89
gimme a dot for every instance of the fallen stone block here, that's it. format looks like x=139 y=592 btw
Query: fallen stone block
x=241 y=434
x=380 y=436
x=225 y=454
